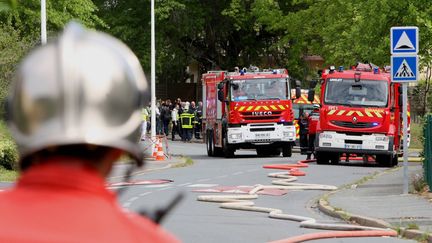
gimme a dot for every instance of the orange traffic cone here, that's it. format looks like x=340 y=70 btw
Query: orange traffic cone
x=155 y=148
x=160 y=154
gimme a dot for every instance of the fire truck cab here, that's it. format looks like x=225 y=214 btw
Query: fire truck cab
x=361 y=113
x=248 y=109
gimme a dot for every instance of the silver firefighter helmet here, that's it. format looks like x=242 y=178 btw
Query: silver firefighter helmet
x=85 y=88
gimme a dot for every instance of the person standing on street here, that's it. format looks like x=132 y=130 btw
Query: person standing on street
x=165 y=115
x=144 y=116
x=198 y=118
x=304 y=131
x=186 y=119
x=74 y=109
x=313 y=122
x=175 y=122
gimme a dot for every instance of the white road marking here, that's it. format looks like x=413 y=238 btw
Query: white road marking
x=158 y=186
x=185 y=184
x=202 y=185
x=133 y=199
x=163 y=189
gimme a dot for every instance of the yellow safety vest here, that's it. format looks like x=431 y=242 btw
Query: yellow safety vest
x=186 y=120
x=144 y=114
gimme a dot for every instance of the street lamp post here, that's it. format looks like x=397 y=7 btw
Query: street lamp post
x=153 y=74
x=43 y=22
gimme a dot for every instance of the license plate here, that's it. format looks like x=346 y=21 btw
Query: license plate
x=262 y=135
x=353 y=146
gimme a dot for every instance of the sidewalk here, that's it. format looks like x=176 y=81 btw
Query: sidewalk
x=379 y=202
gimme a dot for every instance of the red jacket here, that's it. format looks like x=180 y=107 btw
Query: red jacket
x=68 y=202
x=313 y=122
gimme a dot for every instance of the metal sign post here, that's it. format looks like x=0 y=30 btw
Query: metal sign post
x=404 y=43
x=153 y=74
x=405 y=136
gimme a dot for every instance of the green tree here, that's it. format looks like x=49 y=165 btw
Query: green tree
x=20 y=28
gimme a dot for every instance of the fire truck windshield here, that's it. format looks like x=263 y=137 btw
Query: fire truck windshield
x=259 y=89
x=350 y=93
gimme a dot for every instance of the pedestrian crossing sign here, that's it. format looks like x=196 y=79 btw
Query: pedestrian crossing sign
x=404 y=68
x=404 y=40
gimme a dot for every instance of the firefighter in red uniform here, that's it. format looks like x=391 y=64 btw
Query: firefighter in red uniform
x=74 y=110
x=313 y=122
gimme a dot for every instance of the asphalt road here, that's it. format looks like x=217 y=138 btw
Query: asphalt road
x=196 y=221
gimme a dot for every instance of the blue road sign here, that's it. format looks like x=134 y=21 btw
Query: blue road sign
x=404 y=68
x=404 y=40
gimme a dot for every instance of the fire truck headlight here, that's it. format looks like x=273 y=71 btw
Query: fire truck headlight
x=382 y=139
x=288 y=134
x=325 y=135
x=235 y=136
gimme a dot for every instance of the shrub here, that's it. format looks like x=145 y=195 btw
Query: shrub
x=8 y=155
x=8 y=149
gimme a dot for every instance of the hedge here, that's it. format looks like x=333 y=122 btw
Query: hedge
x=8 y=149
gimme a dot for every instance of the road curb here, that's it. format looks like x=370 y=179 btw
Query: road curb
x=325 y=207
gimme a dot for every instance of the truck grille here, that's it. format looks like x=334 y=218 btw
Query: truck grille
x=248 y=116
x=264 y=129
x=353 y=125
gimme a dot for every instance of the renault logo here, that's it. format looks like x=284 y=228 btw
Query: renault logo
x=354 y=120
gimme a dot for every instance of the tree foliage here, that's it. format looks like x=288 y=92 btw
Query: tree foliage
x=20 y=28
x=227 y=33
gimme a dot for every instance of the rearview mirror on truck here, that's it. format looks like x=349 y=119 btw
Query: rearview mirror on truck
x=221 y=97
x=313 y=84
x=298 y=92
x=311 y=95
x=311 y=92
x=220 y=85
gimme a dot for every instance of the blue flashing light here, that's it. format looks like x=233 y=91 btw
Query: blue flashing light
x=375 y=124
x=242 y=72
x=274 y=72
x=376 y=70
x=341 y=68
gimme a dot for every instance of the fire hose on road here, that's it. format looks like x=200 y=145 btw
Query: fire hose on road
x=285 y=181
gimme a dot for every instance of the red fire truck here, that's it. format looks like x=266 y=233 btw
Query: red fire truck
x=248 y=109
x=361 y=113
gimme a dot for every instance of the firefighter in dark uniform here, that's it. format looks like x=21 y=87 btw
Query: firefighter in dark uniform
x=186 y=120
x=313 y=122
x=198 y=119
x=304 y=131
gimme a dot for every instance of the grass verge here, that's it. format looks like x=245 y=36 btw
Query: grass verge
x=186 y=161
x=8 y=175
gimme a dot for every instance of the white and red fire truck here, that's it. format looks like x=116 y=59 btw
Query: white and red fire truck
x=248 y=109
x=361 y=113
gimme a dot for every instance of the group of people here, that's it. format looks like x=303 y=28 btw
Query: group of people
x=179 y=117
x=308 y=124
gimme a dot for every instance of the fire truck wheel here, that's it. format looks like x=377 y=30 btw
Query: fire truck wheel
x=209 y=143
x=385 y=160
x=322 y=158
x=227 y=150
x=287 y=150
x=335 y=158
x=395 y=160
